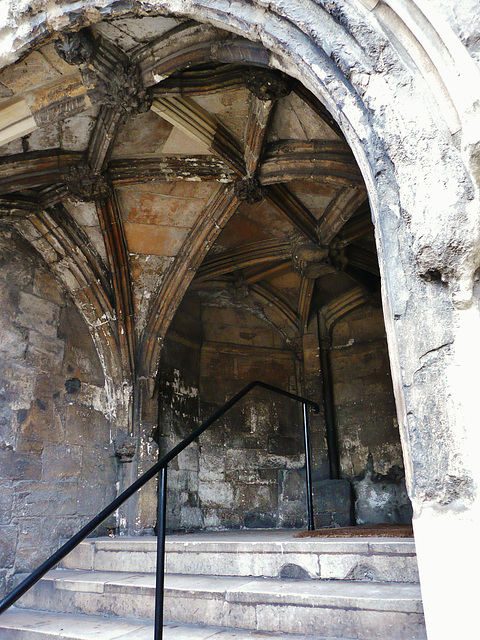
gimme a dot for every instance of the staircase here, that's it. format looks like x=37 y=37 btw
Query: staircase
x=228 y=586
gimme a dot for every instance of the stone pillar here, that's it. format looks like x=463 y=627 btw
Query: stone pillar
x=142 y=510
x=434 y=344
x=447 y=518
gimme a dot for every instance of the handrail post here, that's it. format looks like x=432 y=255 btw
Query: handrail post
x=160 y=575
x=308 y=469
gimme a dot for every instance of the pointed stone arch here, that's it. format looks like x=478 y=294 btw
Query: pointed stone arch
x=76 y=264
x=221 y=206
x=327 y=47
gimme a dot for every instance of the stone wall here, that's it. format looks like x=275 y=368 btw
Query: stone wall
x=411 y=114
x=367 y=429
x=247 y=470
x=252 y=460
x=57 y=464
x=178 y=413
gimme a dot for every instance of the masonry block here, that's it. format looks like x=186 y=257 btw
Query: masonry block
x=19 y=466
x=8 y=542
x=332 y=503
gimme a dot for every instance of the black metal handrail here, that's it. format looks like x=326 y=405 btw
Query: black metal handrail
x=161 y=467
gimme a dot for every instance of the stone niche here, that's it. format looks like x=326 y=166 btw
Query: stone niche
x=57 y=464
x=367 y=429
x=253 y=458
x=247 y=470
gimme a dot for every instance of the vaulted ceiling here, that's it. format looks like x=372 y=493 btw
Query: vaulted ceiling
x=146 y=157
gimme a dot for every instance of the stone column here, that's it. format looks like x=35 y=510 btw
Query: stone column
x=432 y=316
x=142 y=510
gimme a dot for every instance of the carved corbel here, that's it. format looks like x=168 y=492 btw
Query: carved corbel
x=110 y=77
x=337 y=255
x=309 y=259
x=85 y=185
x=249 y=189
x=266 y=84
x=76 y=48
x=125 y=449
x=313 y=260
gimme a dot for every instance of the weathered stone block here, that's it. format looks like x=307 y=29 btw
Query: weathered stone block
x=38 y=314
x=349 y=390
x=244 y=441
x=212 y=465
x=215 y=494
x=61 y=462
x=19 y=466
x=178 y=479
x=6 y=502
x=253 y=497
x=92 y=497
x=254 y=476
x=41 y=425
x=85 y=426
x=191 y=517
x=264 y=338
x=32 y=530
x=44 y=286
x=45 y=499
x=332 y=503
x=28 y=558
x=81 y=358
x=99 y=464
x=268 y=476
x=237 y=459
x=292 y=514
x=259 y=520
x=229 y=518
x=292 y=484
x=8 y=543
x=269 y=461
x=381 y=500
x=283 y=445
x=21 y=386
x=14 y=343
x=3 y=582
x=240 y=420
x=45 y=353
x=188 y=459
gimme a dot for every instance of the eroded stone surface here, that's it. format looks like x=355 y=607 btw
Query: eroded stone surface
x=56 y=464
x=412 y=123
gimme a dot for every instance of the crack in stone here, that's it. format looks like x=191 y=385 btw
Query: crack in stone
x=442 y=346
x=425 y=364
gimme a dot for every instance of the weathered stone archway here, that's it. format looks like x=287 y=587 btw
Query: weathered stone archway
x=385 y=71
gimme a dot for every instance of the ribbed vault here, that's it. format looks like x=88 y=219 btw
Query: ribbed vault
x=183 y=161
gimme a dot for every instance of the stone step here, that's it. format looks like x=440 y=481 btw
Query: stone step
x=269 y=554
x=340 y=609
x=25 y=624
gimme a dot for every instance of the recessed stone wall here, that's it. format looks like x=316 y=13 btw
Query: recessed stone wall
x=57 y=464
x=247 y=470
x=178 y=412
x=367 y=429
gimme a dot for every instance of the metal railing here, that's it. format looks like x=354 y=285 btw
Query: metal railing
x=161 y=468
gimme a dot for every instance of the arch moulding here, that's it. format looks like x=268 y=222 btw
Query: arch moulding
x=389 y=73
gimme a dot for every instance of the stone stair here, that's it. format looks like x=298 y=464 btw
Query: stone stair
x=228 y=586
